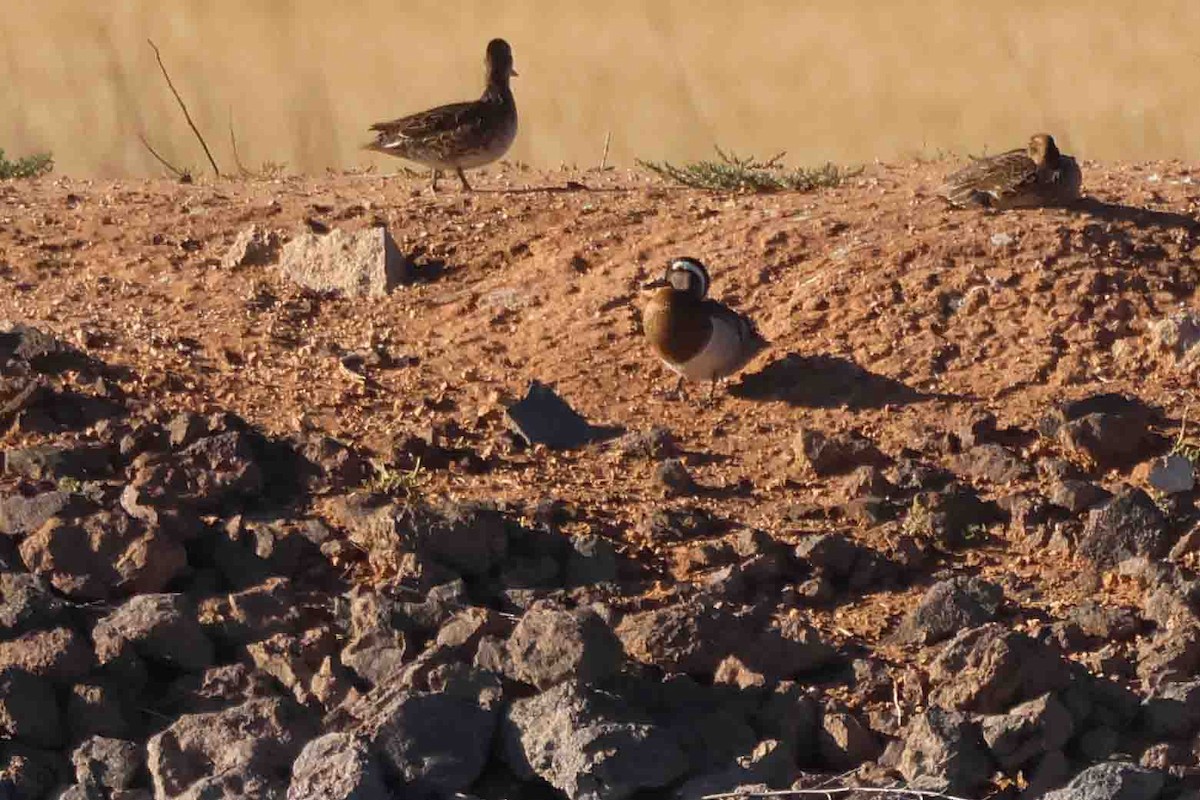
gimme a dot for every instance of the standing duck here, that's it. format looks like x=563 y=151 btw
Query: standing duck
x=461 y=135
x=698 y=338
x=1038 y=175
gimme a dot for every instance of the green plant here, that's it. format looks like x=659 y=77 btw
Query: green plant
x=396 y=482
x=70 y=485
x=1188 y=448
x=33 y=166
x=732 y=173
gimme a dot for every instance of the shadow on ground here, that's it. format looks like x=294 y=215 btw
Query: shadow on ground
x=824 y=382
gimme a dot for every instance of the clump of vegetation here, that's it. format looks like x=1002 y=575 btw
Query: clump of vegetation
x=397 y=482
x=33 y=166
x=732 y=173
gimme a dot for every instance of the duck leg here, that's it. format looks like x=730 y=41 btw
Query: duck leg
x=466 y=186
x=434 y=175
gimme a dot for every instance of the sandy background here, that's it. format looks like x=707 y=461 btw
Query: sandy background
x=848 y=81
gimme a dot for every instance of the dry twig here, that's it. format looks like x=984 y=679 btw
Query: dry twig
x=831 y=791
x=186 y=114
x=182 y=174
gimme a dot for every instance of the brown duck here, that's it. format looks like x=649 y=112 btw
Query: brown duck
x=461 y=135
x=1038 y=175
x=698 y=338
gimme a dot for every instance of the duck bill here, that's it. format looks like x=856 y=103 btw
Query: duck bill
x=661 y=283
x=513 y=73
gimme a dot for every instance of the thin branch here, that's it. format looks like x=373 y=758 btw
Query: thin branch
x=187 y=115
x=604 y=158
x=837 y=790
x=237 y=158
x=176 y=171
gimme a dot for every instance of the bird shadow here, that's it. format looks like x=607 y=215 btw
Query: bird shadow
x=824 y=381
x=1141 y=217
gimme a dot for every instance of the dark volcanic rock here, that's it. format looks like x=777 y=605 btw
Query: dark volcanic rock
x=990 y=668
x=161 y=628
x=60 y=654
x=844 y=742
x=1029 y=731
x=103 y=555
x=695 y=637
x=550 y=645
x=52 y=462
x=1078 y=496
x=1172 y=711
x=952 y=517
x=27 y=603
x=1115 y=434
x=833 y=454
x=29 y=710
x=1129 y=525
x=949 y=607
x=1113 y=780
x=946 y=746
x=589 y=744
x=209 y=755
x=434 y=742
x=994 y=463
x=21 y=515
x=337 y=766
x=216 y=474
x=111 y=763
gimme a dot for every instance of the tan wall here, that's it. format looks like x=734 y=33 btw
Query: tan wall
x=850 y=80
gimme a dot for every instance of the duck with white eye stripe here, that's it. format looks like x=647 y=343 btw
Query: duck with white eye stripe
x=699 y=338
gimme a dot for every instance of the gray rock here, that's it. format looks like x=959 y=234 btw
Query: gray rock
x=365 y=263
x=1177 y=334
x=52 y=462
x=1113 y=780
x=337 y=766
x=27 y=603
x=946 y=746
x=253 y=247
x=592 y=560
x=1029 y=731
x=103 y=555
x=1109 y=439
x=551 y=645
x=844 y=742
x=834 y=454
x=99 y=709
x=112 y=763
x=994 y=463
x=1128 y=526
x=215 y=474
x=433 y=742
x=1077 y=496
x=695 y=637
x=771 y=765
x=675 y=478
x=1171 y=474
x=1172 y=711
x=949 y=607
x=158 y=627
x=30 y=773
x=990 y=668
x=21 y=515
x=29 y=710
x=589 y=745
x=216 y=752
x=254 y=613
x=60 y=654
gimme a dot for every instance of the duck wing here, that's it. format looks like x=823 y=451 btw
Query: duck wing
x=987 y=180
x=450 y=121
x=752 y=341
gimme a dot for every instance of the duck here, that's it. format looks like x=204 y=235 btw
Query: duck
x=1037 y=175
x=458 y=136
x=696 y=337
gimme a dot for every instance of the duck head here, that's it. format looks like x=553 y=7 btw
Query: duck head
x=1043 y=150
x=499 y=62
x=686 y=276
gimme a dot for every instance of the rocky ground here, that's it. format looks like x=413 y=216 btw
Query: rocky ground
x=269 y=526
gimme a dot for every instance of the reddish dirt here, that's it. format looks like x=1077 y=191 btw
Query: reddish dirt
x=1011 y=313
